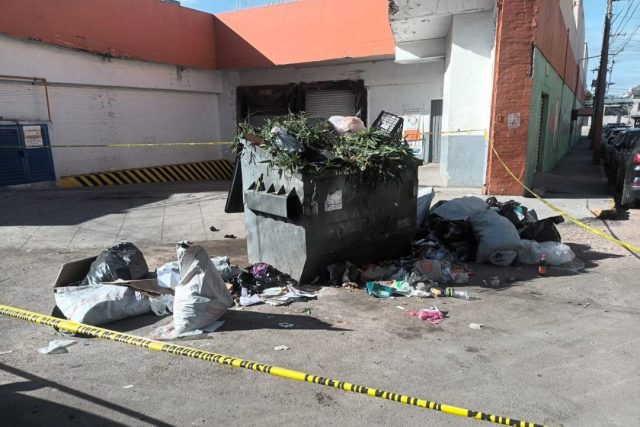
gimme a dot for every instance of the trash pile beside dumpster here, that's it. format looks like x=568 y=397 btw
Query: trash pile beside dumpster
x=325 y=203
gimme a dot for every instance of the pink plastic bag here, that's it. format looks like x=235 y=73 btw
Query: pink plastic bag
x=431 y=315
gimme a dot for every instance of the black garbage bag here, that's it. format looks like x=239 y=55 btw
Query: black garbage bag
x=122 y=261
x=285 y=141
x=518 y=214
x=543 y=230
x=457 y=236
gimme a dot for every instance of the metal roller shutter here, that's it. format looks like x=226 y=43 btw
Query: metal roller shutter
x=327 y=103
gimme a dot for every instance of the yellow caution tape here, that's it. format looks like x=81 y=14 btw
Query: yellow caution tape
x=563 y=213
x=141 y=145
x=179 y=350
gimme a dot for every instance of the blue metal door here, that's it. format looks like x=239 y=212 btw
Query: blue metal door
x=25 y=160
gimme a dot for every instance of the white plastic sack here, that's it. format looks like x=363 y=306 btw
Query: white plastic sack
x=201 y=296
x=555 y=253
x=494 y=233
x=100 y=304
x=347 y=124
x=425 y=197
x=461 y=208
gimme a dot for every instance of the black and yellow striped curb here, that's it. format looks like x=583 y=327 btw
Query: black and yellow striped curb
x=209 y=356
x=199 y=171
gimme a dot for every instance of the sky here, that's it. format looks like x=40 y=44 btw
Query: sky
x=625 y=33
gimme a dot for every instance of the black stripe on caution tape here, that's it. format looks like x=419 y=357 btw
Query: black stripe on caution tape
x=179 y=350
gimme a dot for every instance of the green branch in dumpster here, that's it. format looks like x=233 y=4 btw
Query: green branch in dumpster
x=369 y=155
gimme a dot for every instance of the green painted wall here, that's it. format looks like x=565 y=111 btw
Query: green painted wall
x=560 y=133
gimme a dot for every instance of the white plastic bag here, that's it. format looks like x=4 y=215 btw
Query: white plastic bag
x=347 y=124
x=100 y=304
x=497 y=237
x=201 y=296
x=555 y=253
x=425 y=197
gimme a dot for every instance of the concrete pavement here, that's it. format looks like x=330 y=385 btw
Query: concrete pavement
x=559 y=350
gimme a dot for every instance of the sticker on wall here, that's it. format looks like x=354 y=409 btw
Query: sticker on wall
x=32 y=136
x=413 y=129
x=513 y=120
x=333 y=202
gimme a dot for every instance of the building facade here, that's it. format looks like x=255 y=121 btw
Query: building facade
x=468 y=76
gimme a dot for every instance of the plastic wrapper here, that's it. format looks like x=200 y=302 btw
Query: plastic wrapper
x=347 y=124
x=285 y=141
x=122 y=261
x=555 y=253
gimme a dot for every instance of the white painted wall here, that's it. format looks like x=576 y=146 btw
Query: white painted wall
x=468 y=86
x=392 y=87
x=96 y=100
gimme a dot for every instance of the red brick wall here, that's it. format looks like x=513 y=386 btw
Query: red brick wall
x=553 y=41
x=512 y=93
x=521 y=25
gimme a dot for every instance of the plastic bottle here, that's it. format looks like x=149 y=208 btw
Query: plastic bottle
x=542 y=265
x=454 y=293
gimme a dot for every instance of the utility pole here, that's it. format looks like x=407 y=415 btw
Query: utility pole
x=595 y=133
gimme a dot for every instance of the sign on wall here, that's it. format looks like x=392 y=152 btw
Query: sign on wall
x=32 y=136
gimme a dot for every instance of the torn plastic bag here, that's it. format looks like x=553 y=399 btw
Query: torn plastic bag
x=100 y=304
x=122 y=261
x=543 y=230
x=223 y=265
x=555 y=253
x=201 y=296
x=494 y=233
x=425 y=197
x=286 y=142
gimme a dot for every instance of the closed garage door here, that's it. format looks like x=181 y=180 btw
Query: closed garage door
x=327 y=103
x=25 y=155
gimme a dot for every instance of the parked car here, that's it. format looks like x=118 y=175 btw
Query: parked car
x=608 y=138
x=617 y=152
x=628 y=172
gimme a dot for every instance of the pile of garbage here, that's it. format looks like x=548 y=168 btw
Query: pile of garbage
x=298 y=144
x=196 y=289
x=451 y=235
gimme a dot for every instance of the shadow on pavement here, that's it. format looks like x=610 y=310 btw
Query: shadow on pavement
x=75 y=206
x=244 y=320
x=23 y=410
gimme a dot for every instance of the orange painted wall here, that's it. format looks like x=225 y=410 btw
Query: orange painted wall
x=552 y=39
x=143 y=29
x=305 y=31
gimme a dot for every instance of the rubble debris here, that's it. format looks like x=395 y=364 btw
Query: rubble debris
x=57 y=347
